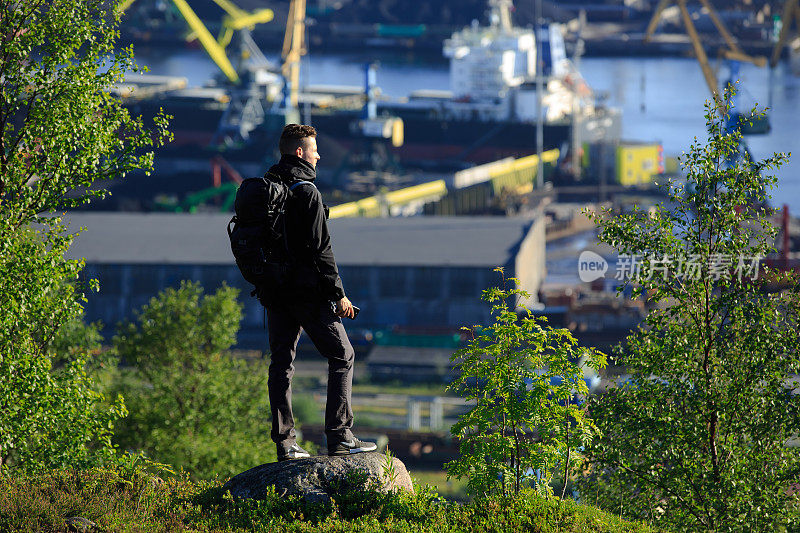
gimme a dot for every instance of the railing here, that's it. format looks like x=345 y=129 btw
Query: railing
x=410 y=412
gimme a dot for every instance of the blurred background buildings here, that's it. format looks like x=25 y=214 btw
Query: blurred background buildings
x=456 y=136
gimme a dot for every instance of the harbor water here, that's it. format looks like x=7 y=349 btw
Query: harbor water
x=661 y=98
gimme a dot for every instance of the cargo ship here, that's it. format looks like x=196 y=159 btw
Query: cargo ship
x=490 y=112
x=492 y=109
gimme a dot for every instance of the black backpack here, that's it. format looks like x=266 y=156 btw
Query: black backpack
x=258 y=238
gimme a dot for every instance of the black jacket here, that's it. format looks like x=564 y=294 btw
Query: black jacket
x=315 y=275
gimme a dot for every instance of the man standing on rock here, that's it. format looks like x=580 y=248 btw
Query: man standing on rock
x=313 y=300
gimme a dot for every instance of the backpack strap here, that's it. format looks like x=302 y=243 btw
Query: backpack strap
x=294 y=185
x=275 y=177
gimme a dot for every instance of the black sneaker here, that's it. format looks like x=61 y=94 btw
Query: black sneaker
x=352 y=446
x=292 y=452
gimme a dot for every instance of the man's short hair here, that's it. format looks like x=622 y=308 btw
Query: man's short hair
x=292 y=137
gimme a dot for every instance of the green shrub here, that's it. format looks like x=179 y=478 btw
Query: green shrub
x=191 y=404
x=62 y=133
x=524 y=379
x=697 y=438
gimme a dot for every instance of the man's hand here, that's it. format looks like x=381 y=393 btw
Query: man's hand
x=345 y=309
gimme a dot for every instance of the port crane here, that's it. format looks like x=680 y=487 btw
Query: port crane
x=236 y=19
x=245 y=110
x=293 y=49
x=252 y=72
x=247 y=81
x=732 y=54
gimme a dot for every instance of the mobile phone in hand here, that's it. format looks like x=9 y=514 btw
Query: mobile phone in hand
x=355 y=310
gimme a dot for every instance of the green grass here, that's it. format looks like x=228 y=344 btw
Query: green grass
x=452 y=489
x=139 y=502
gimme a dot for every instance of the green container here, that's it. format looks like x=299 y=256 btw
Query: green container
x=387 y=338
x=400 y=30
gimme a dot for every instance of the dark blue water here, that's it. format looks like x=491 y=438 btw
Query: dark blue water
x=661 y=98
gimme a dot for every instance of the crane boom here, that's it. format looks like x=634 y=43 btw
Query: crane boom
x=235 y=19
x=215 y=51
x=721 y=28
x=653 y=24
x=231 y=9
x=733 y=51
x=699 y=51
x=294 y=48
x=239 y=19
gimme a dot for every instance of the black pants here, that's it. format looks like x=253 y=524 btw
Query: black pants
x=326 y=331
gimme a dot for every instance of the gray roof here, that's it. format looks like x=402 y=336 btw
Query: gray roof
x=201 y=239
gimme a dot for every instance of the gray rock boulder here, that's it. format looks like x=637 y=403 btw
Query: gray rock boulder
x=80 y=524
x=317 y=479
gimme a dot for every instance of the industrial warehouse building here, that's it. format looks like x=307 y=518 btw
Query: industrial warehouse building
x=416 y=273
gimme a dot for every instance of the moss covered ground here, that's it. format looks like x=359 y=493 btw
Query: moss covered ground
x=141 y=502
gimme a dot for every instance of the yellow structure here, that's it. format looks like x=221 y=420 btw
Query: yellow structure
x=398 y=132
x=519 y=175
x=294 y=48
x=372 y=206
x=639 y=163
x=239 y=19
x=512 y=175
x=236 y=19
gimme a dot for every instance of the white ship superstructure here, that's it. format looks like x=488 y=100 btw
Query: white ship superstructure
x=493 y=72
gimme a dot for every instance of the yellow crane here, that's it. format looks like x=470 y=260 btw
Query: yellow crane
x=235 y=19
x=732 y=52
x=294 y=48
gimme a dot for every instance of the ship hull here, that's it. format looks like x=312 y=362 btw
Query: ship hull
x=430 y=142
x=426 y=139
